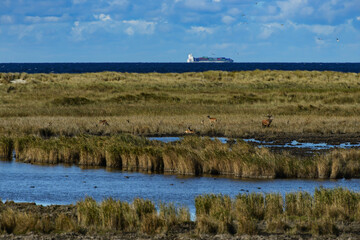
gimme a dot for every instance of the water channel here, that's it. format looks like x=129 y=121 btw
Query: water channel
x=61 y=184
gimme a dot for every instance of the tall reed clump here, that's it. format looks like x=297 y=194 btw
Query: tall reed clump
x=294 y=213
x=22 y=222
x=213 y=214
x=6 y=148
x=250 y=209
x=192 y=155
x=139 y=216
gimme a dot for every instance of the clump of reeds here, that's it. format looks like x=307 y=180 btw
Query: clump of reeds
x=138 y=216
x=213 y=214
x=192 y=155
x=23 y=222
x=297 y=213
x=6 y=148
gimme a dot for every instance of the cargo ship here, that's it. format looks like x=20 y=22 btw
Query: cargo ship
x=192 y=59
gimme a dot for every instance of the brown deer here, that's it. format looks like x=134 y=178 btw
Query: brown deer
x=189 y=131
x=267 y=122
x=103 y=122
x=212 y=120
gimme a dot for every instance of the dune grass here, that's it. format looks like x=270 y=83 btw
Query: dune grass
x=152 y=104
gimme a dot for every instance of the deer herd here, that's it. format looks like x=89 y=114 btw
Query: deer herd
x=265 y=123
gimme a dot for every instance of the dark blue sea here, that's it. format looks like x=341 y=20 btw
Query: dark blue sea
x=172 y=67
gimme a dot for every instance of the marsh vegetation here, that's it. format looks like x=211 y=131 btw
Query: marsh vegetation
x=327 y=211
x=300 y=102
x=193 y=155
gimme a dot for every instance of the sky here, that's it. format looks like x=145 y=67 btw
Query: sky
x=168 y=30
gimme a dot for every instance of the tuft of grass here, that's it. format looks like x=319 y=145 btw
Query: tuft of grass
x=6 y=148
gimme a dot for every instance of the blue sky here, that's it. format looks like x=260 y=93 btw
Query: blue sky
x=167 y=30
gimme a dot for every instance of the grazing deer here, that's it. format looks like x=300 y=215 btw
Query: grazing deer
x=267 y=122
x=212 y=120
x=103 y=122
x=189 y=131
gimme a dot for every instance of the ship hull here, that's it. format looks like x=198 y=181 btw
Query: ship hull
x=192 y=59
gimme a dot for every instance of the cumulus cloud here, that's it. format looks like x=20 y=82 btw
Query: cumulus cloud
x=227 y=19
x=285 y=10
x=139 y=26
x=200 y=29
x=102 y=17
x=358 y=18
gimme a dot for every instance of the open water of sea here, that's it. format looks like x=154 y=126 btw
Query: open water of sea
x=172 y=67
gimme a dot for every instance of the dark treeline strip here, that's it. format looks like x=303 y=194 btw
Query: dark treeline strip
x=327 y=211
x=191 y=156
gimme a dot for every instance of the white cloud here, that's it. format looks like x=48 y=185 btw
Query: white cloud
x=200 y=29
x=102 y=17
x=122 y=3
x=77 y=31
x=358 y=18
x=291 y=8
x=37 y=19
x=23 y=31
x=78 y=1
x=227 y=19
x=6 y=19
x=222 y=46
x=234 y=11
x=202 y=5
x=268 y=29
x=316 y=28
x=321 y=29
x=139 y=26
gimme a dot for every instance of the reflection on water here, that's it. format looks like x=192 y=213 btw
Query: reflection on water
x=62 y=184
